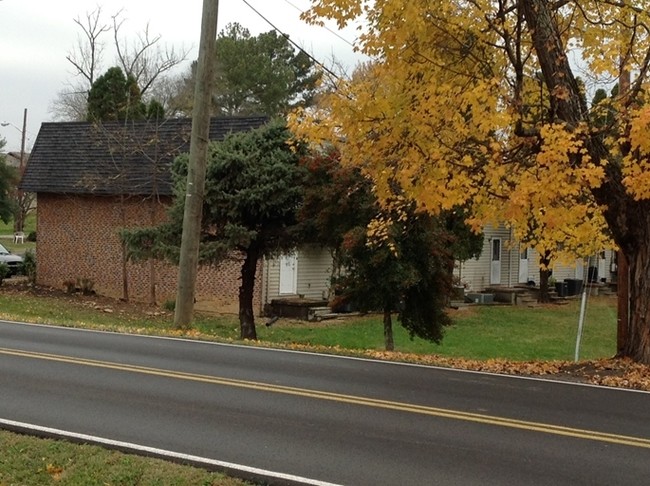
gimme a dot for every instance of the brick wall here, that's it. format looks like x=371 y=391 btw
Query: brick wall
x=78 y=237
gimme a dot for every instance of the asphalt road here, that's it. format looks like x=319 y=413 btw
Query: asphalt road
x=306 y=418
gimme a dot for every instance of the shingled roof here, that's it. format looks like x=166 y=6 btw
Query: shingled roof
x=116 y=157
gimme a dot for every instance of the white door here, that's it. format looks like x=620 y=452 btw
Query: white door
x=495 y=263
x=523 y=266
x=289 y=274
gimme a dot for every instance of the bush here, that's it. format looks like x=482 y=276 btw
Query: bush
x=169 y=305
x=86 y=285
x=29 y=265
x=70 y=286
x=31 y=236
x=4 y=271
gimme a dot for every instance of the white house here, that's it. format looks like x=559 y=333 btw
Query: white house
x=504 y=262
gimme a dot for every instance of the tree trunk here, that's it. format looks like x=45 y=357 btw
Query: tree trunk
x=125 y=259
x=152 y=262
x=389 y=343
x=637 y=344
x=125 y=273
x=544 y=274
x=628 y=220
x=246 y=292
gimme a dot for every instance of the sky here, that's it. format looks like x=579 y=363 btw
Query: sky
x=37 y=35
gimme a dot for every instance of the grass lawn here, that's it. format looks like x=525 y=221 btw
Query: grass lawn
x=34 y=462
x=7 y=232
x=479 y=332
x=29 y=226
x=487 y=332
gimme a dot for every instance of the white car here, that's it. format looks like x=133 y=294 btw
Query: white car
x=14 y=262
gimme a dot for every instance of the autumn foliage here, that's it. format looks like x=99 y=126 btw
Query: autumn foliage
x=479 y=103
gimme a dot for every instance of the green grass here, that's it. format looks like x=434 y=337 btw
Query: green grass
x=488 y=332
x=34 y=462
x=28 y=227
x=485 y=332
x=6 y=236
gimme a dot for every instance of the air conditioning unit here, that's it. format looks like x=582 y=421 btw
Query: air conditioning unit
x=480 y=298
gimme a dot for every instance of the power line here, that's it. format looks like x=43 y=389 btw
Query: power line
x=323 y=26
x=286 y=36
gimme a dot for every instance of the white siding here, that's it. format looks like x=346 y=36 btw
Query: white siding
x=475 y=273
x=314 y=273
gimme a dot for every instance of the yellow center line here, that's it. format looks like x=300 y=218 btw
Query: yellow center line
x=342 y=398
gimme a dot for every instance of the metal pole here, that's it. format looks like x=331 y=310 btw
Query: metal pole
x=581 y=320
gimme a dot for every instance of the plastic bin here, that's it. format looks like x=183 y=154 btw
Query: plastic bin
x=561 y=288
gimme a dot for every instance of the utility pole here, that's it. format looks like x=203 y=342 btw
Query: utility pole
x=23 y=203
x=19 y=223
x=189 y=257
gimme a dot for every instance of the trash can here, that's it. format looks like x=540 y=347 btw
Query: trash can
x=574 y=286
x=561 y=289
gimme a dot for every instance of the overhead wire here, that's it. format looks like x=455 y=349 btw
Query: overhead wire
x=323 y=26
x=286 y=36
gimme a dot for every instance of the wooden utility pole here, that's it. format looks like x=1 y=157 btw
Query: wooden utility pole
x=20 y=221
x=200 y=138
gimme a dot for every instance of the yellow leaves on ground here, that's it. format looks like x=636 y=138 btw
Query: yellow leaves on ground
x=54 y=471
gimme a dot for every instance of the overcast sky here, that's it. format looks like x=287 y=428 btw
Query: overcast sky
x=36 y=36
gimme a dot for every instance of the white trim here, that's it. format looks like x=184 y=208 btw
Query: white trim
x=288 y=274
x=495 y=265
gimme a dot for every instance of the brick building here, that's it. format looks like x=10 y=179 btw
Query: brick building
x=94 y=180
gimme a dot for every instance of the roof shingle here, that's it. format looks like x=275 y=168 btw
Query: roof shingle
x=116 y=157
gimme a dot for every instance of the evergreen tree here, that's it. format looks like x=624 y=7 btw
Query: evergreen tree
x=256 y=75
x=253 y=190
x=114 y=96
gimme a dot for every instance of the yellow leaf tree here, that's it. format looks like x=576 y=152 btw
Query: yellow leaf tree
x=478 y=102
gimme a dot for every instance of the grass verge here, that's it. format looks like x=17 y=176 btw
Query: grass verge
x=485 y=332
x=34 y=462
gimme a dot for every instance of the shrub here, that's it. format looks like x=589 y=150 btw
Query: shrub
x=70 y=286
x=4 y=271
x=86 y=285
x=31 y=236
x=169 y=305
x=29 y=265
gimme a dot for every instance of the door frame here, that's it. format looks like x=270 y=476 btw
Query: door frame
x=495 y=261
x=288 y=278
x=523 y=265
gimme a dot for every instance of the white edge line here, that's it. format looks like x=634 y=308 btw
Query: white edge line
x=162 y=453
x=557 y=381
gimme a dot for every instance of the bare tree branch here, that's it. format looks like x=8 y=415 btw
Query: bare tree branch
x=144 y=59
x=87 y=55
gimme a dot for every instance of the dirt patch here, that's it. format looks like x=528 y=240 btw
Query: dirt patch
x=20 y=285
